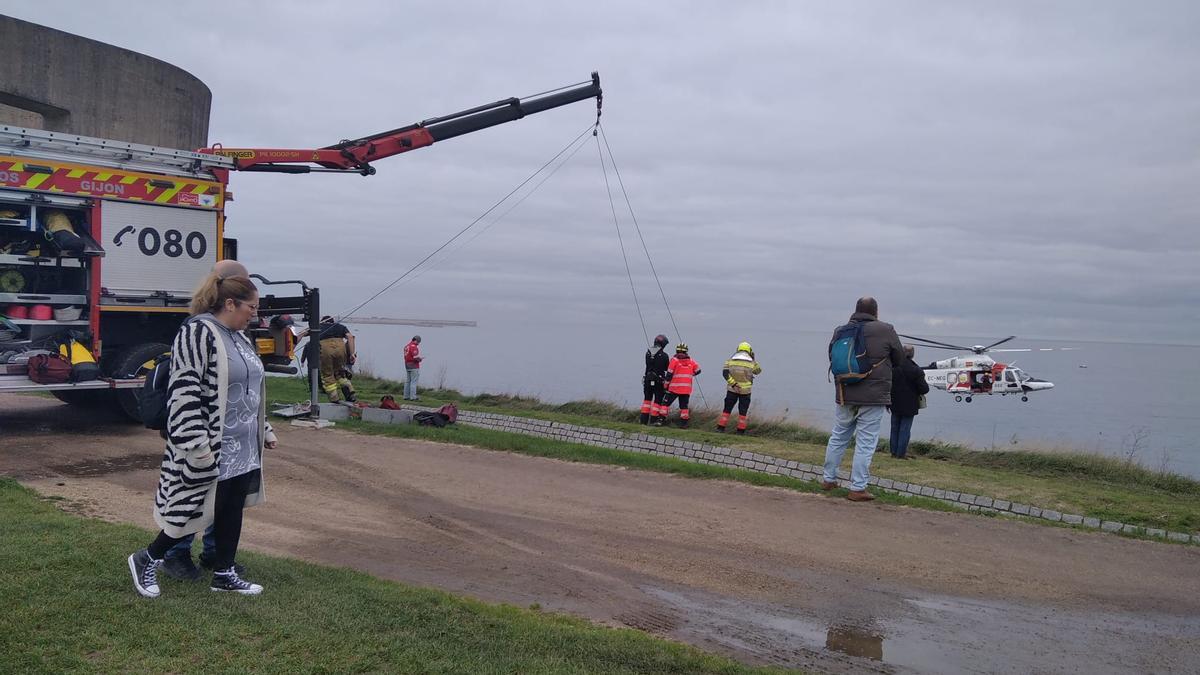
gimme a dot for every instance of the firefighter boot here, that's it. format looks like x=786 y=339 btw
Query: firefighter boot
x=721 y=422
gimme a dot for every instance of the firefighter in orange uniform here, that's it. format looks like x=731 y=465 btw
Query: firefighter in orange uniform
x=681 y=373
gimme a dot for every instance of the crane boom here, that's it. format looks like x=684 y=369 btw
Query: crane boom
x=355 y=156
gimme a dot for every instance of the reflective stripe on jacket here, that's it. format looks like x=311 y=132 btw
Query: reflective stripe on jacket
x=742 y=368
x=681 y=372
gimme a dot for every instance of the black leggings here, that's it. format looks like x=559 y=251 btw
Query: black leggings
x=742 y=401
x=227 y=520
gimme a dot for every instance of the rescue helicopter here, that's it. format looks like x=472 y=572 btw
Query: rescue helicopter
x=977 y=374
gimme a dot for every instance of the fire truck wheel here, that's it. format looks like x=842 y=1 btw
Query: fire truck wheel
x=135 y=361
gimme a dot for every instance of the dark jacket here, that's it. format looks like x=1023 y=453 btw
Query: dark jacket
x=908 y=382
x=656 y=367
x=884 y=349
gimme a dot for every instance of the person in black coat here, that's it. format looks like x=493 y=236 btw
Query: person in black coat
x=654 y=385
x=908 y=385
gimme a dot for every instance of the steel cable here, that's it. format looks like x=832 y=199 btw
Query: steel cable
x=464 y=230
x=621 y=240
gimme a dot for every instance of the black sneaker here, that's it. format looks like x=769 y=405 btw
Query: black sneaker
x=143 y=568
x=207 y=564
x=740 y=432
x=229 y=580
x=180 y=567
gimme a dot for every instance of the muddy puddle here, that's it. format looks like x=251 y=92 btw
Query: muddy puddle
x=937 y=634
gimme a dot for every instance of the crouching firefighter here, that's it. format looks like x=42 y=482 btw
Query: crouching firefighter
x=681 y=372
x=654 y=381
x=739 y=374
x=337 y=355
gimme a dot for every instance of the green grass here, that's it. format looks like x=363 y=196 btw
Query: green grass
x=1088 y=484
x=68 y=606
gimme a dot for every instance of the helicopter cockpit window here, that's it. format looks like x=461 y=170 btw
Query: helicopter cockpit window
x=1009 y=376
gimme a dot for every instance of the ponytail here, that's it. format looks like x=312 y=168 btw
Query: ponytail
x=212 y=293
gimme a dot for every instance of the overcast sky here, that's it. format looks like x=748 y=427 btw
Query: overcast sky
x=982 y=168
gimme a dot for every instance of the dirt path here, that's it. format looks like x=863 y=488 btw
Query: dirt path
x=762 y=574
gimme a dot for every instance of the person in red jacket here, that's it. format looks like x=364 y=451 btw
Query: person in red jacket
x=412 y=368
x=681 y=373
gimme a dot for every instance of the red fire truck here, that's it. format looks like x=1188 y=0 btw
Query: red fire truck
x=144 y=225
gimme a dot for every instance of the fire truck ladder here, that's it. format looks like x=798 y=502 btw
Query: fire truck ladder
x=34 y=143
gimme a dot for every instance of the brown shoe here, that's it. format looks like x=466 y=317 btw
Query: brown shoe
x=860 y=496
x=827 y=486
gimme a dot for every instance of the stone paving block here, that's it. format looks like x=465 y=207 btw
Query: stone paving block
x=983 y=501
x=1072 y=519
x=1091 y=522
x=332 y=412
x=939 y=494
x=1035 y=512
x=886 y=482
x=1051 y=515
x=1130 y=529
x=1155 y=532
x=1178 y=536
x=927 y=491
x=1002 y=505
x=793 y=464
x=952 y=496
x=1111 y=526
x=966 y=498
x=973 y=507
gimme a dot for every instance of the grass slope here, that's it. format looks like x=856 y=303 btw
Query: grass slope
x=1088 y=484
x=68 y=606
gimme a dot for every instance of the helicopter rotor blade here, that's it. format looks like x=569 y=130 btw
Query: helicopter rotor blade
x=1018 y=350
x=935 y=343
x=1000 y=342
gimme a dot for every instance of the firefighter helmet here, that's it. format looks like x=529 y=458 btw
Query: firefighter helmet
x=745 y=347
x=681 y=347
x=661 y=340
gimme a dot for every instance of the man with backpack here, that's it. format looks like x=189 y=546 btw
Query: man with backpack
x=861 y=355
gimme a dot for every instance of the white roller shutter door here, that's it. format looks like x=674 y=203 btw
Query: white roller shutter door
x=156 y=248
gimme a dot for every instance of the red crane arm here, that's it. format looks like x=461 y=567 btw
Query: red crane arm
x=356 y=155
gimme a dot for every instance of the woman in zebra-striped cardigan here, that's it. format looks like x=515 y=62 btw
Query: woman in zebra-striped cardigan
x=216 y=430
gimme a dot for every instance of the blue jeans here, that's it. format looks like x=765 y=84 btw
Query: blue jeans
x=184 y=547
x=410 y=383
x=861 y=422
x=901 y=431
